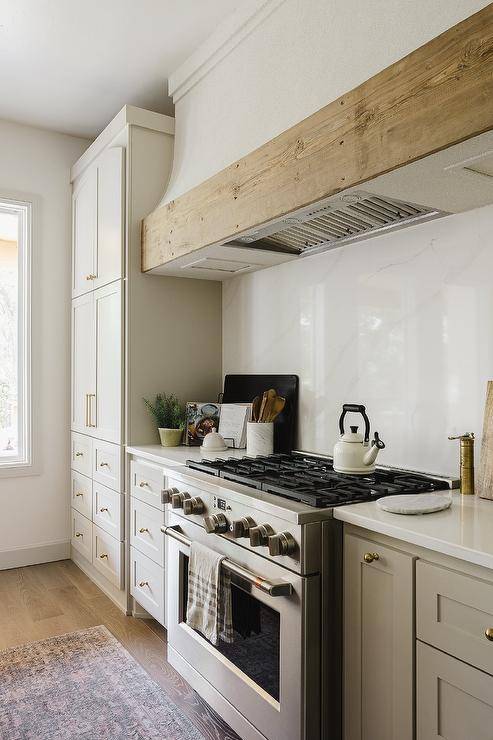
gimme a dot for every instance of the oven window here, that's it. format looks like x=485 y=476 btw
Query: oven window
x=257 y=628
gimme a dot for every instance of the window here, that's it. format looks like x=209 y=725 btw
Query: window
x=15 y=334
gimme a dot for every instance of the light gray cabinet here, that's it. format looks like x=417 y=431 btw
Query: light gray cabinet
x=378 y=641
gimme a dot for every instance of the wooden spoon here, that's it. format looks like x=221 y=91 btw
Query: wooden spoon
x=269 y=397
x=277 y=406
x=256 y=408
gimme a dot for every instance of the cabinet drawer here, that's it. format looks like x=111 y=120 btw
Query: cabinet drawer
x=107 y=556
x=453 y=611
x=454 y=700
x=147 y=483
x=81 y=493
x=81 y=539
x=107 y=506
x=81 y=454
x=107 y=464
x=145 y=530
x=147 y=584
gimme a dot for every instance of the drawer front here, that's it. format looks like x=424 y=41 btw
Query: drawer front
x=145 y=530
x=454 y=700
x=107 y=506
x=107 y=556
x=107 y=464
x=81 y=454
x=81 y=539
x=147 y=483
x=81 y=491
x=453 y=612
x=147 y=584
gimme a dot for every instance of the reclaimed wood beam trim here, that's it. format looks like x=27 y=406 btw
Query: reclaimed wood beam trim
x=437 y=96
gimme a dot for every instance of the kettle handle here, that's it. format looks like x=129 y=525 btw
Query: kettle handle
x=358 y=409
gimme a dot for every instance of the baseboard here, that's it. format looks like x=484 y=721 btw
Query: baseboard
x=212 y=696
x=48 y=552
x=119 y=598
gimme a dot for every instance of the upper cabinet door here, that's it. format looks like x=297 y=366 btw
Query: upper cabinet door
x=106 y=408
x=83 y=363
x=84 y=233
x=110 y=221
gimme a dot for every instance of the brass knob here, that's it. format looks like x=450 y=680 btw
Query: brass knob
x=166 y=495
x=488 y=633
x=216 y=524
x=193 y=506
x=369 y=557
x=79 y=454
x=282 y=544
x=79 y=534
x=260 y=535
x=103 y=556
x=79 y=494
x=103 y=508
x=144 y=484
x=241 y=527
x=143 y=583
x=177 y=499
x=143 y=529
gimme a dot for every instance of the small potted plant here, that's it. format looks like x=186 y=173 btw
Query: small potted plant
x=169 y=415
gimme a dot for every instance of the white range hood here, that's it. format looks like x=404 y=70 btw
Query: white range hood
x=451 y=181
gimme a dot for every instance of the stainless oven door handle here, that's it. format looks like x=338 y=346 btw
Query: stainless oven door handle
x=273 y=588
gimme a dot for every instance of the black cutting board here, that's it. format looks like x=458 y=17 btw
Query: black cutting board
x=244 y=388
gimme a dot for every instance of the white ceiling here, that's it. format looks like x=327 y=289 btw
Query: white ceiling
x=70 y=65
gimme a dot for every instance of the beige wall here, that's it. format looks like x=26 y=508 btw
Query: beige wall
x=36 y=163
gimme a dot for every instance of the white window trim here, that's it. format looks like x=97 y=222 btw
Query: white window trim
x=24 y=464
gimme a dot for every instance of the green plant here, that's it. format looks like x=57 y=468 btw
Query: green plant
x=167 y=411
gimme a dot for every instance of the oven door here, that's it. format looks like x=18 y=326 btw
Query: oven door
x=270 y=674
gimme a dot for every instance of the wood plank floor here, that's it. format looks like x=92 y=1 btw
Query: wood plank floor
x=41 y=601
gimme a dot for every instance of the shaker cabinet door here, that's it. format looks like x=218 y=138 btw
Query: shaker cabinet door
x=84 y=233
x=378 y=641
x=110 y=221
x=83 y=363
x=106 y=407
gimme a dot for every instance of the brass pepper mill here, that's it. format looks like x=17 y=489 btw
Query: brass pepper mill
x=466 y=462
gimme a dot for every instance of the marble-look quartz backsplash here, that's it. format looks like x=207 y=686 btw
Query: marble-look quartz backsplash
x=402 y=323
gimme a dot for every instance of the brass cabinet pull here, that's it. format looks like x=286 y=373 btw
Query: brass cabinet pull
x=103 y=556
x=103 y=508
x=144 y=484
x=143 y=583
x=91 y=277
x=87 y=409
x=78 y=494
x=488 y=633
x=104 y=465
x=369 y=557
x=79 y=534
x=79 y=454
x=89 y=414
x=143 y=529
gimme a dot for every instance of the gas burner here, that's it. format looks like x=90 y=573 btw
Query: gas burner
x=313 y=481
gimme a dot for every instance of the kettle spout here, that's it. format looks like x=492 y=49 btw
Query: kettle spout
x=376 y=445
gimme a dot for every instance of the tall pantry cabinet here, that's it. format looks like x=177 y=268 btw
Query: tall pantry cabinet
x=133 y=335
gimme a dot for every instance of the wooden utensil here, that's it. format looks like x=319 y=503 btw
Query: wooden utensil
x=256 y=408
x=277 y=406
x=485 y=477
x=269 y=396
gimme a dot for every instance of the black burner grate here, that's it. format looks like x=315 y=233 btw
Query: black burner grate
x=313 y=481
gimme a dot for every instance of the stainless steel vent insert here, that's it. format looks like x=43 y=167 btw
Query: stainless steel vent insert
x=352 y=217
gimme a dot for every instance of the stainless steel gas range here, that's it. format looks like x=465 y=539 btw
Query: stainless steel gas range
x=272 y=520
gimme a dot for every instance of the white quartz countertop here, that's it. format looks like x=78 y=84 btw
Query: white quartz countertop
x=174 y=456
x=464 y=531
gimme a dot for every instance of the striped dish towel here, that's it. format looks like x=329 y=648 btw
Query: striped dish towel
x=209 y=595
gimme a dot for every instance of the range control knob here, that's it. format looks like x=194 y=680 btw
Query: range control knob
x=260 y=535
x=166 y=495
x=216 y=524
x=193 y=506
x=241 y=527
x=282 y=544
x=177 y=499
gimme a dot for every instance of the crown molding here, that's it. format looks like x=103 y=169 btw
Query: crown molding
x=219 y=45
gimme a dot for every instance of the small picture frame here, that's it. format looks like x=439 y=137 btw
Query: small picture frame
x=202 y=418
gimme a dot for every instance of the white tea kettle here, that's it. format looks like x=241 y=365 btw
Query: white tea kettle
x=353 y=453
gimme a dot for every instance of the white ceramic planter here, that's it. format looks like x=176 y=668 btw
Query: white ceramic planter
x=260 y=438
